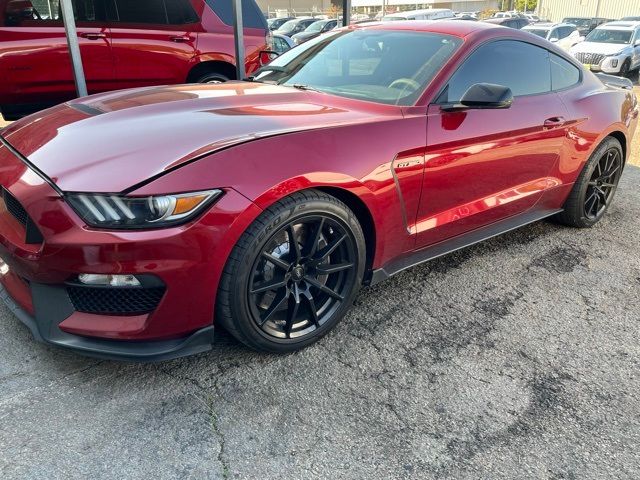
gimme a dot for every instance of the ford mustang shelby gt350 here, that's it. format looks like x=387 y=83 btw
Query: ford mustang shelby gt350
x=134 y=221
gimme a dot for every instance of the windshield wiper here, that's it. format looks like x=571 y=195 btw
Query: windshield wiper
x=301 y=86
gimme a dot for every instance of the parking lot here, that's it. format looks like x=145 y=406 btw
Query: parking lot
x=517 y=358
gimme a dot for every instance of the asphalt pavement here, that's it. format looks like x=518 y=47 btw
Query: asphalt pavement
x=517 y=358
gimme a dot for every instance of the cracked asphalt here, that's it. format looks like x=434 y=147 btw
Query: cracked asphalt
x=516 y=358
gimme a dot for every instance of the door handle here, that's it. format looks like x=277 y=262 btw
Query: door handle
x=180 y=38
x=92 y=35
x=554 y=122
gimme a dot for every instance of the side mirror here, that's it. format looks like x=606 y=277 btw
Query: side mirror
x=483 y=96
x=554 y=39
x=636 y=43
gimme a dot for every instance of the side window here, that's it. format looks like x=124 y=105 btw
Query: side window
x=252 y=16
x=47 y=13
x=563 y=73
x=155 y=12
x=522 y=67
x=565 y=32
x=140 y=11
x=555 y=33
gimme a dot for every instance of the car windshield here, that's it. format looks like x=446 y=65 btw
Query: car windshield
x=289 y=25
x=578 y=22
x=316 y=26
x=603 y=35
x=538 y=31
x=394 y=18
x=370 y=65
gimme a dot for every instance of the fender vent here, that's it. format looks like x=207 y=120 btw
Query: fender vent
x=15 y=208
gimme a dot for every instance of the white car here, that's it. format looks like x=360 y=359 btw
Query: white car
x=612 y=48
x=564 y=35
x=425 y=14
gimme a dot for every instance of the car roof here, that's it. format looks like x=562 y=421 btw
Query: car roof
x=444 y=26
x=419 y=12
x=547 y=26
x=618 y=26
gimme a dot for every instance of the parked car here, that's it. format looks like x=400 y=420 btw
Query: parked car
x=313 y=30
x=264 y=206
x=630 y=19
x=507 y=15
x=612 y=48
x=467 y=14
x=294 y=26
x=511 y=22
x=276 y=23
x=123 y=44
x=465 y=17
x=281 y=43
x=532 y=18
x=425 y=14
x=564 y=35
x=585 y=24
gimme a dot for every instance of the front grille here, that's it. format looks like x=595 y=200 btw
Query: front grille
x=15 y=208
x=115 y=301
x=590 y=58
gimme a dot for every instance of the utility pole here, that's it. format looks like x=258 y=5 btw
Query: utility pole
x=238 y=39
x=346 y=12
x=69 y=20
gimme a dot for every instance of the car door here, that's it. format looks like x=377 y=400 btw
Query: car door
x=485 y=165
x=153 y=41
x=35 y=55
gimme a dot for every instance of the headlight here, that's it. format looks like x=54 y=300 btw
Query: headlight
x=117 y=211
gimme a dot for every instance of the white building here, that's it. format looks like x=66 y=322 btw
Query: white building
x=556 y=10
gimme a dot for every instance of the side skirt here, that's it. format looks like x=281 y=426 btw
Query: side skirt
x=456 y=243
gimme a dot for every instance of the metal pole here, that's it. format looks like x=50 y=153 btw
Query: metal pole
x=74 y=47
x=238 y=38
x=346 y=12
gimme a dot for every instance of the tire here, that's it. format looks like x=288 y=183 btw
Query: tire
x=594 y=189
x=212 y=77
x=269 y=289
x=624 y=69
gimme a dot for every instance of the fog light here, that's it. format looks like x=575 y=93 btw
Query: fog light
x=614 y=63
x=109 y=280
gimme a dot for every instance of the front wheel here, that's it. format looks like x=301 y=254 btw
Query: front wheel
x=625 y=68
x=594 y=189
x=293 y=274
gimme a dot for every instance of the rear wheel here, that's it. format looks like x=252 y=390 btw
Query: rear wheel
x=293 y=274
x=212 y=77
x=594 y=190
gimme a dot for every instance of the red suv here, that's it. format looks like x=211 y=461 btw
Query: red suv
x=124 y=44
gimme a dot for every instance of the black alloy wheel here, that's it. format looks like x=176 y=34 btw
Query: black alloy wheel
x=293 y=274
x=595 y=187
x=602 y=184
x=302 y=276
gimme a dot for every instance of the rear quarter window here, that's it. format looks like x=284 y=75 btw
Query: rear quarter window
x=563 y=74
x=252 y=16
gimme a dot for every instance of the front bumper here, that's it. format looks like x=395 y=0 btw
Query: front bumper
x=38 y=279
x=45 y=329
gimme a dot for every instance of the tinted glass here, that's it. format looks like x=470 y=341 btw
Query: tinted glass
x=365 y=64
x=563 y=73
x=252 y=17
x=48 y=12
x=609 y=36
x=141 y=11
x=580 y=22
x=538 y=31
x=522 y=67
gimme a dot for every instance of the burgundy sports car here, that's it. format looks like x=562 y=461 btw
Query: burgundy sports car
x=134 y=221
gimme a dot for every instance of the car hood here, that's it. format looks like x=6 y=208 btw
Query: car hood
x=602 y=48
x=111 y=142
